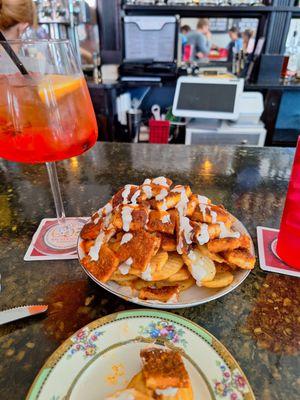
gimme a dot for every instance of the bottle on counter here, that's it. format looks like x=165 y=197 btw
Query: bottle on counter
x=293 y=56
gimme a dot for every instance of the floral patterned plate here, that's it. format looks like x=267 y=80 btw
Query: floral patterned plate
x=102 y=357
x=188 y=298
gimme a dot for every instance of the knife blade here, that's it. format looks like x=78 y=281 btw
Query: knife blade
x=13 y=314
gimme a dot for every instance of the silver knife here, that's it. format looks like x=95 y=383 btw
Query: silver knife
x=13 y=314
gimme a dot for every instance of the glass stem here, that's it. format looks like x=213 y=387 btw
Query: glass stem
x=60 y=212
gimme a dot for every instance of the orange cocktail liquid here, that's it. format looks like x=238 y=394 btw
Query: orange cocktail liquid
x=46 y=118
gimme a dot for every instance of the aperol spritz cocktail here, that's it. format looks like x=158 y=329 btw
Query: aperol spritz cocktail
x=45 y=118
x=46 y=115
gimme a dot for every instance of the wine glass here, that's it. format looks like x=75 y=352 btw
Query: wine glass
x=45 y=116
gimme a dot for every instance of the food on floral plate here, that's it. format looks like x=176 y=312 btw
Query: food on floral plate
x=163 y=377
x=162 y=245
x=136 y=353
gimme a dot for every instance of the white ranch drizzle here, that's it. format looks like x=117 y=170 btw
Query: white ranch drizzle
x=148 y=190
x=126 y=217
x=126 y=193
x=161 y=180
x=213 y=216
x=94 y=250
x=126 y=238
x=203 y=236
x=135 y=196
x=203 y=199
x=166 y=219
x=96 y=220
x=164 y=206
x=203 y=208
x=146 y=275
x=147 y=181
x=178 y=189
x=192 y=256
x=107 y=220
x=226 y=233
x=186 y=228
x=107 y=209
x=163 y=193
x=129 y=261
x=169 y=391
x=125 y=266
x=184 y=222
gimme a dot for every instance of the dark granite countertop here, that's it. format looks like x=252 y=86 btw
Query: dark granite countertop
x=258 y=322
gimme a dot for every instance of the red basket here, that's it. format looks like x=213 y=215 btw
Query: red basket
x=159 y=131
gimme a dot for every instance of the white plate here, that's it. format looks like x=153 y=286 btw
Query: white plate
x=102 y=357
x=188 y=298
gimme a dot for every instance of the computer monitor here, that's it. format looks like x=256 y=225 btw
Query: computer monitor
x=214 y=98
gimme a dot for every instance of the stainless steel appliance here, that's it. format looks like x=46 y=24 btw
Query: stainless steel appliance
x=60 y=18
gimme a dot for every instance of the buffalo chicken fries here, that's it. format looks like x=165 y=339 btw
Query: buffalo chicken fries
x=161 y=239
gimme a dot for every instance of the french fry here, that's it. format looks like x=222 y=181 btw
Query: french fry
x=221 y=279
x=201 y=267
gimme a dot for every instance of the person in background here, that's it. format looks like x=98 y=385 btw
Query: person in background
x=248 y=41
x=184 y=30
x=200 y=40
x=236 y=43
x=15 y=17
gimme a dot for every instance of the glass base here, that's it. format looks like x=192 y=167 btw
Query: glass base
x=59 y=239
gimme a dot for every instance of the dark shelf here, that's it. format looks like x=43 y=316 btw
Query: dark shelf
x=194 y=11
x=273 y=86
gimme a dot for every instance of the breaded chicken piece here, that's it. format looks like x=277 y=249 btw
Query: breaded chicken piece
x=240 y=257
x=90 y=230
x=202 y=230
x=104 y=267
x=141 y=248
x=161 y=221
x=160 y=180
x=191 y=206
x=124 y=195
x=181 y=188
x=211 y=214
x=164 y=293
x=150 y=191
x=86 y=245
x=163 y=369
x=167 y=202
x=168 y=243
x=224 y=244
x=138 y=215
x=171 y=199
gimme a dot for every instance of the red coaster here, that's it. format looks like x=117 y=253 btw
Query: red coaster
x=268 y=258
x=39 y=248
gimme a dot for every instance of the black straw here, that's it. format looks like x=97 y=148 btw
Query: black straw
x=12 y=55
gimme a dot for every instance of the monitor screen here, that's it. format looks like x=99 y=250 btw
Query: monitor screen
x=207 y=97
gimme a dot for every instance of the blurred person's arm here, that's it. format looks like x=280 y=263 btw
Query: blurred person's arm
x=203 y=45
x=86 y=55
x=200 y=55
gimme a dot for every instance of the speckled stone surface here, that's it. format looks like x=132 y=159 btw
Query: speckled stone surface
x=250 y=182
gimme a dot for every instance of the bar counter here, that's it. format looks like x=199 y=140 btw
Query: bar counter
x=258 y=322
